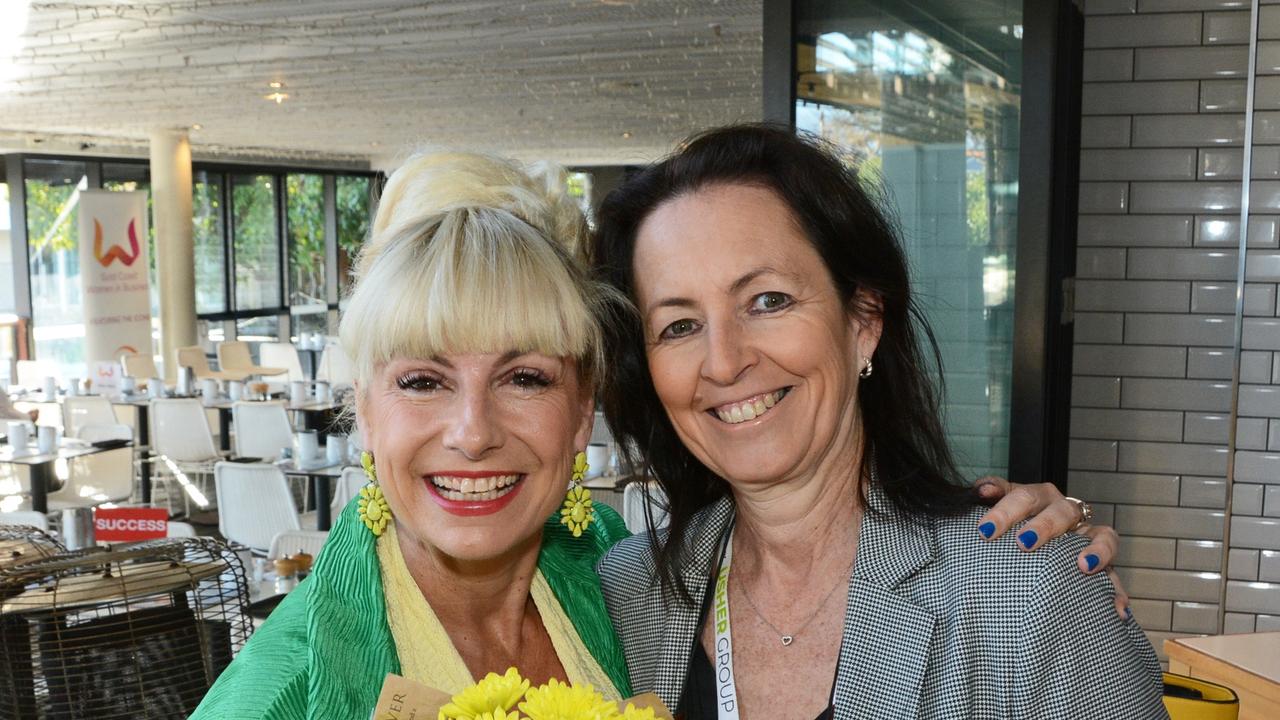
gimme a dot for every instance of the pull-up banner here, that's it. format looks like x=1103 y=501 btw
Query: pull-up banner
x=113 y=275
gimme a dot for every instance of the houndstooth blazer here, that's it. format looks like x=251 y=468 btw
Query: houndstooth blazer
x=939 y=624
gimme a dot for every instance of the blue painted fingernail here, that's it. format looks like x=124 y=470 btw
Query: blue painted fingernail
x=987 y=529
x=1028 y=538
x=1091 y=561
x=1128 y=613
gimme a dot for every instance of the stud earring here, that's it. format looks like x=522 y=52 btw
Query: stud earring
x=865 y=372
x=578 y=511
x=373 y=509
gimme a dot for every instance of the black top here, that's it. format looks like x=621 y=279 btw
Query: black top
x=698 y=699
x=698 y=702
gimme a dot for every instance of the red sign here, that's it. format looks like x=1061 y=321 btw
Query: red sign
x=127 y=524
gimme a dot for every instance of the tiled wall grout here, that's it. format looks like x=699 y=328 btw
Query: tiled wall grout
x=1162 y=135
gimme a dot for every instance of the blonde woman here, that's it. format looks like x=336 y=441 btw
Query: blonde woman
x=475 y=338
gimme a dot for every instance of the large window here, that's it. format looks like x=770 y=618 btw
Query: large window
x=354 y=198
x=263 y=243
x=255 y=230
x=209 y=237
x=53 y=197
x=928 y=107
x=308 y=292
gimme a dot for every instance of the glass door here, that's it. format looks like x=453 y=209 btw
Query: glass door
x=925 y=98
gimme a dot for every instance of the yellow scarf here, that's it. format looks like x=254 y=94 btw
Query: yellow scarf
x=427 y=655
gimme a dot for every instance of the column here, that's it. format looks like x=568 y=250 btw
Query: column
x=175 y=248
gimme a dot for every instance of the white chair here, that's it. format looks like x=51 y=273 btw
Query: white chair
x=25 y=517
x=139 y=366
x=335 y=367
x=634 y=497
x=183 y=443
x=291 y=542
x=234 y=356
x=254 y=504
x=181 y=530
x=262 y=429
x=85 y=411
x=193 y=357
x=31 y=373
x=283 y=355
x=99 y=478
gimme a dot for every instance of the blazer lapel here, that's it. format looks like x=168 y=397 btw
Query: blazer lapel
x=887 y=639
x=682 y=620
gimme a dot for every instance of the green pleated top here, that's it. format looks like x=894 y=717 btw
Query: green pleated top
x=326 y=648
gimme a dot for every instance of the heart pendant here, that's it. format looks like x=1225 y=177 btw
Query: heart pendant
x=786 y=640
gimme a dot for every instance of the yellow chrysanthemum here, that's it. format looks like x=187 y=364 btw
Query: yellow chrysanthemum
x=558 y=701
x=490 y=699
x=373 y=509
x=634 y=713
x=578 y=512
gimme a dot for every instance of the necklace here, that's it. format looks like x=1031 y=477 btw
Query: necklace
x=788 y=638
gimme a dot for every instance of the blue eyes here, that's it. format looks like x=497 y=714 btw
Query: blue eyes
x=762 y=304
x=770 y=301
x=679 y=329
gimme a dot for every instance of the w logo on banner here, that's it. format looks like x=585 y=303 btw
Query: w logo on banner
x=115 y=252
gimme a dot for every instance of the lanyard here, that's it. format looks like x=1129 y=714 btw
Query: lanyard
x=726 y=683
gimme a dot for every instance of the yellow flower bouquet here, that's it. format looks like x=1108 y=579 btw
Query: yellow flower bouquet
x=511 y=697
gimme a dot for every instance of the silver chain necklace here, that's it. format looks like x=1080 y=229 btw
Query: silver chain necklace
x=788 y=638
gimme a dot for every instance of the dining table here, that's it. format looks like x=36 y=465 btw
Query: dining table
x=1248 y=663
x=320 y=476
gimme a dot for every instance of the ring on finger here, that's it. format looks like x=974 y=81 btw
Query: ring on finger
x=1086 y=512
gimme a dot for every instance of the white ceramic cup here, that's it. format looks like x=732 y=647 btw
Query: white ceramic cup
x=47 y=439
x=597 y=459
x=322 y=391
x=209 y=390
x=50 y=387
x=235 y=390
x=335 y=449
x=155 y=387
x=128 y=385
x=307 y=443
x=298 y=392
x=73 y=387
x=18 y=435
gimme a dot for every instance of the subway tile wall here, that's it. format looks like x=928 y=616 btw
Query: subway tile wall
x=1162 y=137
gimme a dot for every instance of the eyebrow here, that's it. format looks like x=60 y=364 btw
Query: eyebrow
x=506 y=358
x=734 y=287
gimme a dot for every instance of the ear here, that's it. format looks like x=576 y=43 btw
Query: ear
x=587 y=406
x=866 y=322
x=363 y=426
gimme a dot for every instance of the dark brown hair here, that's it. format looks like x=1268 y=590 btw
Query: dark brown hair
x=860 y=248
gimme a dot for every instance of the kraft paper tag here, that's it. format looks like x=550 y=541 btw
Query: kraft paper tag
x=404 y=699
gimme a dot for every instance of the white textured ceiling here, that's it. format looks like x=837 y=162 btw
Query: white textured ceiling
x=580 y=82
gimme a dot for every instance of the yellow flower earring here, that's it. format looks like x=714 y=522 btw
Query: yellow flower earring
x=374 y=511
x=578 y=512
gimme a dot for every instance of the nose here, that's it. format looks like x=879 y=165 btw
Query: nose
x=475 y=427
x=728 y=354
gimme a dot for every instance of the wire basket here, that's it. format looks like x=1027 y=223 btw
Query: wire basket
x=138 y=631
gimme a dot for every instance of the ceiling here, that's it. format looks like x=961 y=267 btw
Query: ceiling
x=578 y=82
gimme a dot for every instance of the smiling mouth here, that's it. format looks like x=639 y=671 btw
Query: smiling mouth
x=481 y=489
x=749 y=409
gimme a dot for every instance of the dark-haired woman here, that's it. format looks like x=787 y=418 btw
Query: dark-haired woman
x=823 y=558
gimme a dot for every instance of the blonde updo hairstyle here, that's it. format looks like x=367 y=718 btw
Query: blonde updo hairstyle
x=471 y=253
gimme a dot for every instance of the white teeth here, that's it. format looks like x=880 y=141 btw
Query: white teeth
x=485 y=488
x=749 y=409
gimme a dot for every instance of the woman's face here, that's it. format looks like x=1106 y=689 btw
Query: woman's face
x=474 y=451
x=752 y=352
